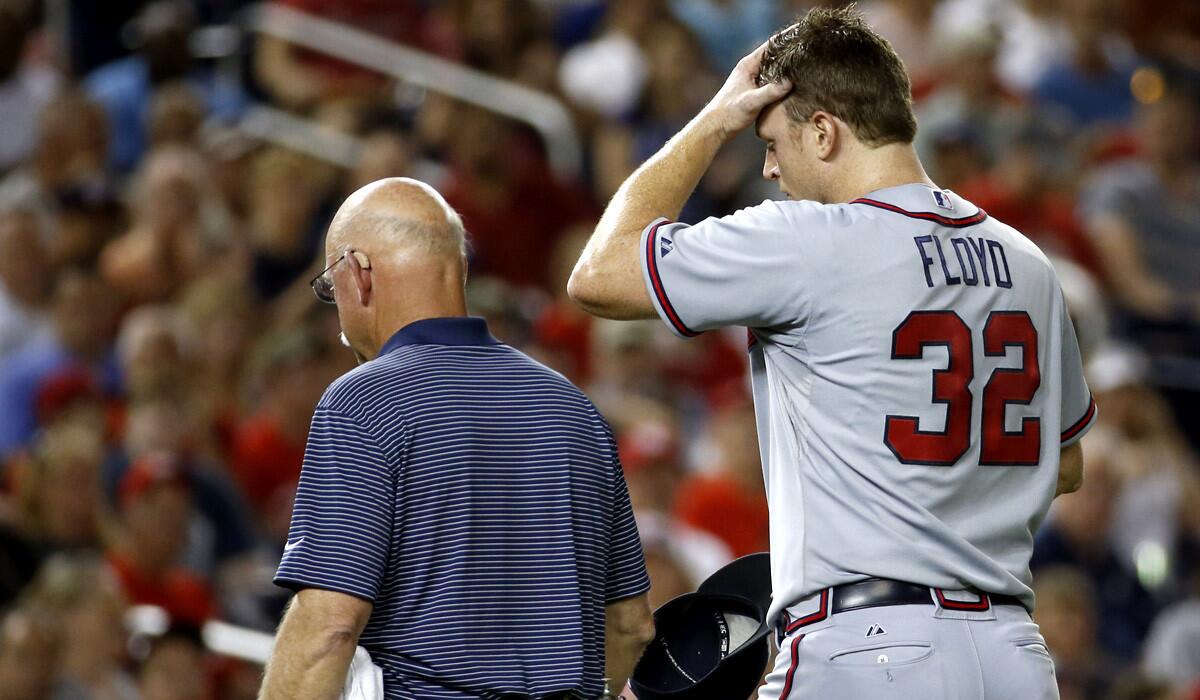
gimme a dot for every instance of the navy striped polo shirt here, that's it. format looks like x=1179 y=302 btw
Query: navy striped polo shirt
x=474 y=496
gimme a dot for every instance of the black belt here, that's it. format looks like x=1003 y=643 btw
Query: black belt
x=878 y=592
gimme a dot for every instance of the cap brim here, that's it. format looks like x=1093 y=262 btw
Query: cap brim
x=748 y=577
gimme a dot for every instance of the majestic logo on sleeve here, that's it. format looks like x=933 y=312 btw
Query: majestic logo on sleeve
x=665 y=245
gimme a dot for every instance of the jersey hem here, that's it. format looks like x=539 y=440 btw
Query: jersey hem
x=1080 y=427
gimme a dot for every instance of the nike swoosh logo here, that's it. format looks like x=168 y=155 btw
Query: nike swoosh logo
x=292 y=545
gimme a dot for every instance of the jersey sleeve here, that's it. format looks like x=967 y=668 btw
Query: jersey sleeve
x=1078 y=406
x=341 y=526
x=627 y=576
x=739 y=270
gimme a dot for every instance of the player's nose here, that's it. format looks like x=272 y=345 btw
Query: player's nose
x=770 y=168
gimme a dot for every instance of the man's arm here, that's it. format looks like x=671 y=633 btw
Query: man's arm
x=314 y=646
x=1126 y=270
x=1070 y=470
x=628 y=628
x=607 y=280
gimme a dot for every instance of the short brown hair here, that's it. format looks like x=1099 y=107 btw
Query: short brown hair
x=840 y=65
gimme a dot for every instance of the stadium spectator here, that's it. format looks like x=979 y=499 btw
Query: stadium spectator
x=288 y=210
x=127 y=87
x=299 y=78
x=28 y=655
x=79 y=339
x=731 y=502
x=1023 y=190
x=1143 y=213
x=26 y=86
x=81 y=596
x=72 y=136
x=508 y=198
x=26 y=280
x=178 y=228
x=1078 y=535
x=1091 y=86
x=155 y=349
x=268 y=444
x=1069 y=621
x=155 y=508
x=727 y=30
x=176 y=667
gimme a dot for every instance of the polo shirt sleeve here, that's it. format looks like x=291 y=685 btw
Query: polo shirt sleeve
x=341 y=525
x=627 y=575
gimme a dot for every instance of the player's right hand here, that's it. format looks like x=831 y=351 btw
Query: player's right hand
x=739 y=101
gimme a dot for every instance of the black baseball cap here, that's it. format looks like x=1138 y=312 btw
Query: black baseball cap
x=711 y=643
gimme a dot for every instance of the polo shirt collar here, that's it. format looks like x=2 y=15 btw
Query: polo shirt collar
x=452 y=330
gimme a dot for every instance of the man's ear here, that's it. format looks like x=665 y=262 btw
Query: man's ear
x=360 y=266
x=825 y=134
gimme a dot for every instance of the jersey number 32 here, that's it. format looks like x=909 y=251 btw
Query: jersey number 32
x=952 y=387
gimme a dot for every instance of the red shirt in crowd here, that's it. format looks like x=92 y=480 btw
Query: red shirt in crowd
x=184 y=595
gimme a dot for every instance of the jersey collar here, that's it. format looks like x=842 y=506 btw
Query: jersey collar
x=920 y=201
x=452 y=330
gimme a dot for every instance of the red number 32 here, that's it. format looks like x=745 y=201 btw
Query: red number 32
x=952 y=387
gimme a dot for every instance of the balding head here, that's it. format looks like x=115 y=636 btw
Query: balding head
x=403 y=258
x=397 y=215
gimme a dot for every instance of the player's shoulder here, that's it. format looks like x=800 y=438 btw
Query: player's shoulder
x=793 y=216
x=1017 y=244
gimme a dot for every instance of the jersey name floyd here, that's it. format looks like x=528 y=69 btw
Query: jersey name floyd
x=974 y=261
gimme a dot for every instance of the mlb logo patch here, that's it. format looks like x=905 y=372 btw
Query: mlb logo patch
x=665 y=245
x=942 y=199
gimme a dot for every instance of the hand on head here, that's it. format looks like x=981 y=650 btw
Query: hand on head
x=738 y=103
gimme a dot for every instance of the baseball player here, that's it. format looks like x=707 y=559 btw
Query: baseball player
x=916 y=377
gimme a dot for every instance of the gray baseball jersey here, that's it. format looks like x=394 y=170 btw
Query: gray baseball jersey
x=915 y=374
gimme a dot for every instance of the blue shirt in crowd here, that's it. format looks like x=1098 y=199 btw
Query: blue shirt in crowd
x=475 y=497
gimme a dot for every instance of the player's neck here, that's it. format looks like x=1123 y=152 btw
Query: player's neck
x=871 y=169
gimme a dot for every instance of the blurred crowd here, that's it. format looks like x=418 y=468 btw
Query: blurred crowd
x=161 y=353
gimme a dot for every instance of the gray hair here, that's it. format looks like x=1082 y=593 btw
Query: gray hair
x=411 y=234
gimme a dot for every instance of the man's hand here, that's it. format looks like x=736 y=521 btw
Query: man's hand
x=607 y=280
x=739 y=101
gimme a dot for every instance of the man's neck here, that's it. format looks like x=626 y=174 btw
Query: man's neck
x=391 y=323
x=872 y=169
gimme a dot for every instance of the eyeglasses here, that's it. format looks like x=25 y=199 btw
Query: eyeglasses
x=322 y=284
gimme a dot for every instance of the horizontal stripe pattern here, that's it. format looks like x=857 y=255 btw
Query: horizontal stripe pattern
x=476 y=498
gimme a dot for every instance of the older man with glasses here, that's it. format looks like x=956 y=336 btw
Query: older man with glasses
x=461 y=511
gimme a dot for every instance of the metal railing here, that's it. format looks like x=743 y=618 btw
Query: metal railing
x=282 y=128
x=542 y=112
x=219 y=637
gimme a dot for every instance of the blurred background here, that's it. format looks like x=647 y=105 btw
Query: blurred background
x=167 y=171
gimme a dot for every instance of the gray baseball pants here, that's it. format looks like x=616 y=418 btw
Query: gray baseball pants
x=917 y=652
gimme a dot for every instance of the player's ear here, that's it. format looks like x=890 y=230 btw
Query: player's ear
x=825 y=134
x=360 y=270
